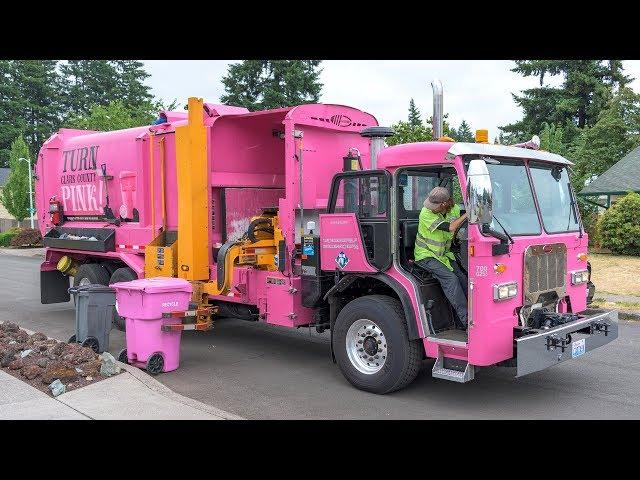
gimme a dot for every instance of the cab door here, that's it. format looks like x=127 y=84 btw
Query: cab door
x=366 y=195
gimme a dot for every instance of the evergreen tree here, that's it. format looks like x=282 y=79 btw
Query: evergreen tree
x=265 y=84
x=415 y=119
x=551 y=139
x=587 y=87
x=464 y=133
x=88 y=83
x=130 y=87
x=29 y=102
x=612 y=137
x=15 y=193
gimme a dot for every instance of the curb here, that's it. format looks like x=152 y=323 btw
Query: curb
x=622 y=315
x=158 y=387
x=15 y=252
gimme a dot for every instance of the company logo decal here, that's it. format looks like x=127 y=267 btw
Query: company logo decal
x=342 y=260
x=341 y=120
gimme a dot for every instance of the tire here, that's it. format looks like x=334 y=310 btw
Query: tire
x=123 y=274
x=380 y=319
x=72 y=339
x=122 y=356
x=155 y=364
x=92 y=343
x=90 y=273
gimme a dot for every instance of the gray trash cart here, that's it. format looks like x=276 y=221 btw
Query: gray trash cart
x=94 y=315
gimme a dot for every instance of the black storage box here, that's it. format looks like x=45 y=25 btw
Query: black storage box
x=106 y=239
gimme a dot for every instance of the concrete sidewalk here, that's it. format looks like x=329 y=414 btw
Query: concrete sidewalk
x=127 y=396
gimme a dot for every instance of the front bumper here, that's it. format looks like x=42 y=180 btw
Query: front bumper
x=545 y=348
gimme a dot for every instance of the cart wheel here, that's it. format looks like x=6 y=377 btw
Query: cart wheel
x=72 y=339
x=92 y=343
x=122 y=356
x=155 y=364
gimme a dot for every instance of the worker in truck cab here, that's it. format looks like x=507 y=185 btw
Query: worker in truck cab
x=439 y=218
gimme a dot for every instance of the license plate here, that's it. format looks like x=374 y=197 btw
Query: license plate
x=577 y=348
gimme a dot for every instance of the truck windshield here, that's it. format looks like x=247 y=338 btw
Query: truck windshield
x=557 y=208
x=513 y=204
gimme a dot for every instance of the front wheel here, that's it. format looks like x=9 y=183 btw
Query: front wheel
x=372 y=347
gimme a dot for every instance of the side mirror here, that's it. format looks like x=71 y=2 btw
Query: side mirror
x=479 y=193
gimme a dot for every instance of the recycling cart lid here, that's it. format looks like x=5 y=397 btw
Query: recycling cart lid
x=155 y=285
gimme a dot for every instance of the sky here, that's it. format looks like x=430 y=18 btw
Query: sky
x=478 y=91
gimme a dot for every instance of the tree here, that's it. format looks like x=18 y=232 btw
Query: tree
x=613 y=136
x=29 y=102
x=117 y=116
x=15 y=194
x=619 y=228
x=463 y=133
x=406 y=133
x=587 y=86
x=415 y=119
x=265 y=84
x=102 y=82
x=551 y=139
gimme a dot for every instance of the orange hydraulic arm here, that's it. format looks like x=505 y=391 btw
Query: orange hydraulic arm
x=193 y=180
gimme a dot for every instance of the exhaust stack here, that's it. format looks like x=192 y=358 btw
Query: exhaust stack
x=376 y=142
x=436 y=86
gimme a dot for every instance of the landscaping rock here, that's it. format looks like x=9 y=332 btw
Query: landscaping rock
x=42 y=362
x=8 y=357
x=38 y=337
x=58 y=370
x=108 y=366
x=59 y=349
x=57 y=388
x=25 y=353
x=31 y=371
x=16 y=364
x=9 y=327
x=91 y=368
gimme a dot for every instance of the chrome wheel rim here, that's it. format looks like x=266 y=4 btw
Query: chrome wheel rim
x=366 y=346
x=84 y=281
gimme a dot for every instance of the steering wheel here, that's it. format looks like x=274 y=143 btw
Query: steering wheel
x=461 y=240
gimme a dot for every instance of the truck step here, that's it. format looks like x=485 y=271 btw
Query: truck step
x=452 y=374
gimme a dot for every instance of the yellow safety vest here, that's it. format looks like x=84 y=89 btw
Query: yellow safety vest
x=434 y=243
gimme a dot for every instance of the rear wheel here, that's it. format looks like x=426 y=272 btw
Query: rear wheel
x=90 y=273
x=372 y=346
x=124 y=274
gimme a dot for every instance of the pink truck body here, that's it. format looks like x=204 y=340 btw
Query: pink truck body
x=253 y=163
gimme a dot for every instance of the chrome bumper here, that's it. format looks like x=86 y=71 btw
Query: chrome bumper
x=546 y=348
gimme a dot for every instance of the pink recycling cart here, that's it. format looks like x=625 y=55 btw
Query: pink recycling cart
x=143 y=302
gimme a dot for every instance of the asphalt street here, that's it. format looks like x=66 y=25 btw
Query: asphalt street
x=264 y=372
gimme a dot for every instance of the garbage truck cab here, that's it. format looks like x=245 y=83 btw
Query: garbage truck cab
x=523 y=247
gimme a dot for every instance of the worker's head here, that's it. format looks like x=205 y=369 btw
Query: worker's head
x=439 y=200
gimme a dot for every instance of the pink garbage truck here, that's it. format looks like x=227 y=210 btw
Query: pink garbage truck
x=302 y=217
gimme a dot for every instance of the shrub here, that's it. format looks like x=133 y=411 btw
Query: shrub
x=619 y=227
x=6 y=237
x=27 y=237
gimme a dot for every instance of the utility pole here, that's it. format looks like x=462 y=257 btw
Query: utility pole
x=31 y=212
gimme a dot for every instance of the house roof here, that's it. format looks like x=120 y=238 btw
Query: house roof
x=4 y=176
x=621 y=178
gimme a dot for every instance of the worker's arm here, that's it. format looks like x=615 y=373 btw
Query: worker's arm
x=451 y=226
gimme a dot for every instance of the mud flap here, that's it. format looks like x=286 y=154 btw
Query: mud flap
x=54 y=287
x=546 y=348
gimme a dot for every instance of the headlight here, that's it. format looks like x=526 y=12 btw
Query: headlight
x=579 y=277
x=504 y=291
